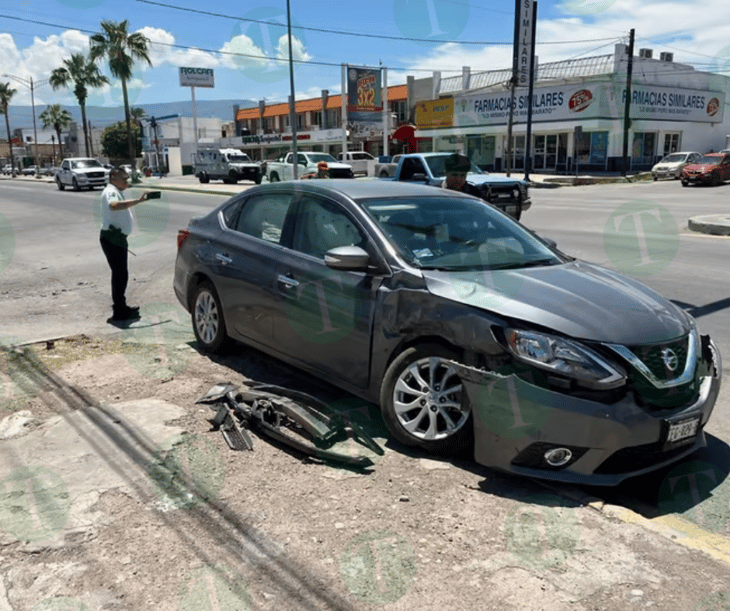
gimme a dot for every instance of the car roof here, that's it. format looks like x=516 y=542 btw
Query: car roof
x=362 y=189
x=715 y=154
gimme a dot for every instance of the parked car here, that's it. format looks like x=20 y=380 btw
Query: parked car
x=361 y=162
x=673 y=164
x=7 y=169
x=712 y=169
x=81 y=173
x=468 y=329
x=31 y=170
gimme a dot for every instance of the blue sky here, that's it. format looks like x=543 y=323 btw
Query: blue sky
x=237 y=48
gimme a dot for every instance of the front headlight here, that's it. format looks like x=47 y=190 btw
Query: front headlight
x=564 y=357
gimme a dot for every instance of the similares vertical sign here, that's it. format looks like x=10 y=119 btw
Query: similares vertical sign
x=523 y=41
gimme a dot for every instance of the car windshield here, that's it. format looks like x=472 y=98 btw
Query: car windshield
x=457 y=234
x=317 y=157
x=674 y=158
x=86 y=163
x=710 y=160
x=436 y=164
x=239 y=158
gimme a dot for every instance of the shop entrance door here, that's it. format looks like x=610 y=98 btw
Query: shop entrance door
x=546 y=152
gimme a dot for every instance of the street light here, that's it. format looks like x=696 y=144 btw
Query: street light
x=31 y=86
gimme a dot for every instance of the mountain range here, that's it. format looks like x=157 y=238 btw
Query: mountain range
x=101 y=116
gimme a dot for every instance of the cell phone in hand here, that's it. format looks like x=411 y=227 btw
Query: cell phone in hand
x=154 y=194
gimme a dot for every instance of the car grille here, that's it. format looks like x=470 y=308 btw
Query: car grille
x=504 y=192
x=340 y=173
x=652 y=357
x=95 y=174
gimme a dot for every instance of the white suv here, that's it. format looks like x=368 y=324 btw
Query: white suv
x=81 y=173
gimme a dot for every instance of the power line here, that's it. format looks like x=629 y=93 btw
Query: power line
x=359 y=34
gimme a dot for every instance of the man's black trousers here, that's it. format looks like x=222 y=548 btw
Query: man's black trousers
x=114 y=245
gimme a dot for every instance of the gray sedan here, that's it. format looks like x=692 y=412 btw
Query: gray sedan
x=471 y=332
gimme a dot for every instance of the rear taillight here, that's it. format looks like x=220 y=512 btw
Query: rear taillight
x=182 y=235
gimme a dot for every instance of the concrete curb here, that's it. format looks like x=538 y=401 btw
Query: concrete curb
x=712 y=224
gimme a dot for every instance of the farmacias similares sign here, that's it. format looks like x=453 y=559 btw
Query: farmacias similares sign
x=197 y=77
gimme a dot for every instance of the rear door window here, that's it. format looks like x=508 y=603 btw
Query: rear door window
x=263 y=216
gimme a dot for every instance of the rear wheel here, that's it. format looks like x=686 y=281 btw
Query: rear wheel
x=274 y=177
x=61 y=186
x=207 y=317
x=203 y=178
x=384 y=174
x=685 y=183
x=424 y=403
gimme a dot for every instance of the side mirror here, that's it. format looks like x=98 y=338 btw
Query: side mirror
x=419 y=177
x=351 y=258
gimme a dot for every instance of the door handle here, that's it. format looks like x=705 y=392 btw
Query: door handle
x=223 y=258
x=287 y=281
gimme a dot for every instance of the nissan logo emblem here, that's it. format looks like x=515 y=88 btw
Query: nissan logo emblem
x=670 y=359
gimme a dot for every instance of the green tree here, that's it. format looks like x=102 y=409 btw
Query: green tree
x=121 y=49
x=6 y=94
x=58 y=118
x=83 y=73
x=114 y=142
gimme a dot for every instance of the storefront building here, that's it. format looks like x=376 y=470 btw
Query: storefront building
x=264 y=132
x=578 y=111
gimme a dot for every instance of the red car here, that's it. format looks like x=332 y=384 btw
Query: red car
x=713 y=169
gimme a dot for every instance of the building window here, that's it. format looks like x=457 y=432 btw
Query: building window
x=401 y=110
x=317 y=118
x=269 y=125
x=300 y=121
x=480 y=149
x=334 y=117
x=671 y=143
x=644 y=148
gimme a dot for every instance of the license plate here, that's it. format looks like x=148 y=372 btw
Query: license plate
x=684 y=429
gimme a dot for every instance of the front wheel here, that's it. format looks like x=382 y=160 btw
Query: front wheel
x=76 y=185
x=207 y=317
x=424 y=403
x=203 y=178
x=274 y=177
x=685 y=183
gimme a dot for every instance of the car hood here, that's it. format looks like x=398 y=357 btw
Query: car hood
x=672 y=165
x=578 y=299
x=700 y=167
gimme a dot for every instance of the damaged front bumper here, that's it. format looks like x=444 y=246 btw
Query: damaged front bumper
x=526 y=429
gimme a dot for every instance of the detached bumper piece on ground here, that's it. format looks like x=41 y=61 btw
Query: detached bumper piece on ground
x=293 y=418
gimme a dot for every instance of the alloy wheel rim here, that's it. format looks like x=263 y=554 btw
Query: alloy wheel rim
x=206 y=317
x=428 y=400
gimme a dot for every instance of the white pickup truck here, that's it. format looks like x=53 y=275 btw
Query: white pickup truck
x=281 y=168
x=360 y=161
x=81 y=173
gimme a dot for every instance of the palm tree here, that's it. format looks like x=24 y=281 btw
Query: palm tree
x=121 y=49
x=6 y=94
x=83 y=73
x=57 y=117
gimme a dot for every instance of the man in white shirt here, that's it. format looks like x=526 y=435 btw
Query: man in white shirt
x=116 y=226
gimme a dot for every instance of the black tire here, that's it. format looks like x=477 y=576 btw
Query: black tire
x=75 y=184
x=428 y=420
x=274 y=177
x=60 y=185
x=685 y=183
x=518 y=214
x=258 y=178
x=655 y=178
x=384 y=174
x=207 y=318
x=203 y=178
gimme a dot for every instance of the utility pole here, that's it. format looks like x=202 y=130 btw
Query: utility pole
x=530 y=91
x=627 y=105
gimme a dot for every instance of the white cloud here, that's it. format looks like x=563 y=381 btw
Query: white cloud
x=241 y=52
x=298 y=51
x=162 y=52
